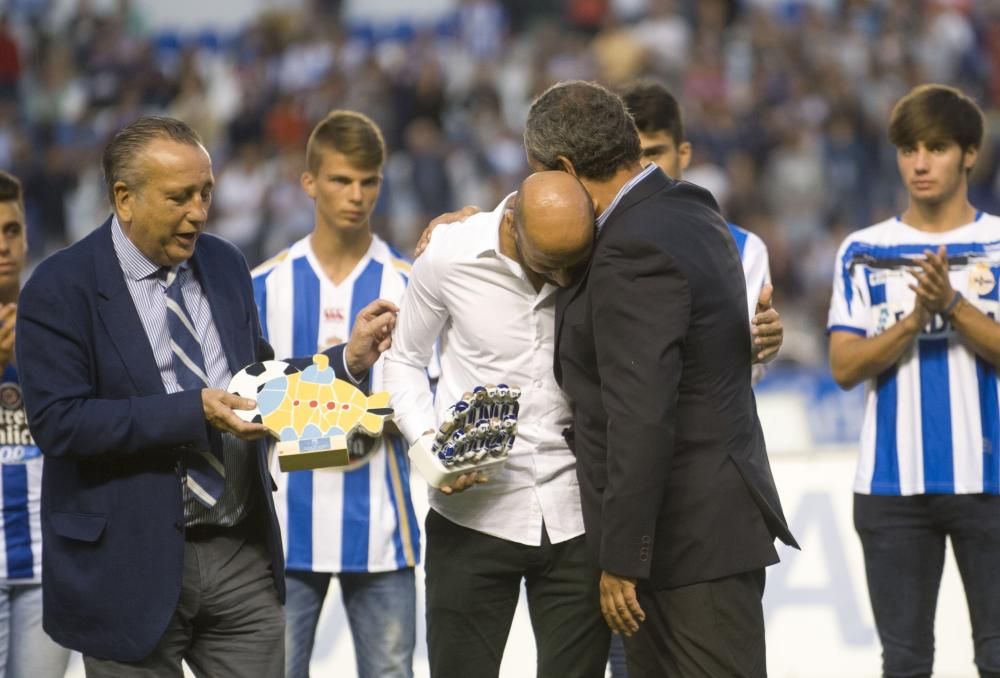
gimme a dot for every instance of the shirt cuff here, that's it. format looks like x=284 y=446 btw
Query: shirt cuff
x=347 y=370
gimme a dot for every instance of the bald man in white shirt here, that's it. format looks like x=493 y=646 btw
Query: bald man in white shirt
x=495 y=320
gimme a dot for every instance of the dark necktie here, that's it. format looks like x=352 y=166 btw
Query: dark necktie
x=206 y=474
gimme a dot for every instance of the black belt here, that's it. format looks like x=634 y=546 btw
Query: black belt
x=206 y=532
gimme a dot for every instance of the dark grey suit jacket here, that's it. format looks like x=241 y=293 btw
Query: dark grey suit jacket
x=653 y=348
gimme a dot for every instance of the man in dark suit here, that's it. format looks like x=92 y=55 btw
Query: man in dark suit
x=158 y=524
x=654 y=349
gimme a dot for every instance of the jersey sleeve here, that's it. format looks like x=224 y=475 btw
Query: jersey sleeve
x=849 y=302
x=756 y=270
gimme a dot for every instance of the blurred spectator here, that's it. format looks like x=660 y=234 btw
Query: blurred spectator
x=10 y=62
x=288 y=210
x=426 y=148
x=47 y=183
x=482 y=28
x=238 y=200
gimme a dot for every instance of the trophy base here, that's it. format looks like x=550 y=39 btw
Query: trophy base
x=437 y=474
x=312 y=453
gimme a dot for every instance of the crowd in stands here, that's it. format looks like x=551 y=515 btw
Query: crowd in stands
x=786 y=104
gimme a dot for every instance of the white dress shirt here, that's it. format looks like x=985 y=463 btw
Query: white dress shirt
x=493 y=328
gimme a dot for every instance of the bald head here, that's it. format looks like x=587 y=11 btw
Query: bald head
x=554 y=221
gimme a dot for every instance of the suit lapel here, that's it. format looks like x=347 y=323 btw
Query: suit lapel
x=121 y=320
x=654 y=182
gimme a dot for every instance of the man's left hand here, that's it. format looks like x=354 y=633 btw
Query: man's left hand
x=464 y=482
x=619 y=604
x=446 y=218
x=371 y=335
x=767 y=329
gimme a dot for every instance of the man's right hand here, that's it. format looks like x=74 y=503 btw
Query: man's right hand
x=371 y=336
x=219 y=406
x=447 y=218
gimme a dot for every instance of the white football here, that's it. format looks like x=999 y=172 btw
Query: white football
x=247 y=383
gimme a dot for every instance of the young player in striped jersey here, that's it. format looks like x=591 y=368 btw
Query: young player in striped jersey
x=25 y=648
x=913 y=315
x=658 y=118
x=357 y=524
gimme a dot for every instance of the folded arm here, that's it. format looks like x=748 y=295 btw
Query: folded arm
x=855 y=358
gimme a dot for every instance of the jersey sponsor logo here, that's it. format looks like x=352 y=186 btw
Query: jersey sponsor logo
x=18 y=454
x=16 y=443
x=333 y=315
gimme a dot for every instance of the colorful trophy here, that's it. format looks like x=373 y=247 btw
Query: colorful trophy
x=476 y=435
x=316 y=417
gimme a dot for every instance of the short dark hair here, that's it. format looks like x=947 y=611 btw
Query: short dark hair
x=587 y=124
x=10 y=189
x=350 y=133
x=127 y=144
x=654 y=109
x=936 y=113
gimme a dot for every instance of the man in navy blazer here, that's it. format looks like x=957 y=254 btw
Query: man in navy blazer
x=143 y=568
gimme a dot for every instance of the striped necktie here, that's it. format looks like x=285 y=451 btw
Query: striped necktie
x=206 y=474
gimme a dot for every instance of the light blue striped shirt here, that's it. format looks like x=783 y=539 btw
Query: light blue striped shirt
x=621 y=194
x=149 y=293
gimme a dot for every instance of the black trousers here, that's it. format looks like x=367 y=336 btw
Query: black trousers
x=712 y=629
x=903 y=539
x=473 y=583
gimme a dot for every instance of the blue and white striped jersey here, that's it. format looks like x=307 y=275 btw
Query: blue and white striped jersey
x=756 y=268
x=757 y=272
x=932 y=423
x=360 y=519
x=21 y=489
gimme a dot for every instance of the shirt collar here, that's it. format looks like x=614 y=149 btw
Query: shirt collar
x=621 y=194
x=492 y=245
x=135 y=264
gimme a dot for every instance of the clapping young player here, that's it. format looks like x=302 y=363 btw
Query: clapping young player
x=913 y=317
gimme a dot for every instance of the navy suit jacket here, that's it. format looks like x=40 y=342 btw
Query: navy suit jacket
x=113 y=438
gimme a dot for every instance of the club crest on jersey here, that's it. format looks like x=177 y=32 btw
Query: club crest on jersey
x=981 y=279
x=10 y=396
